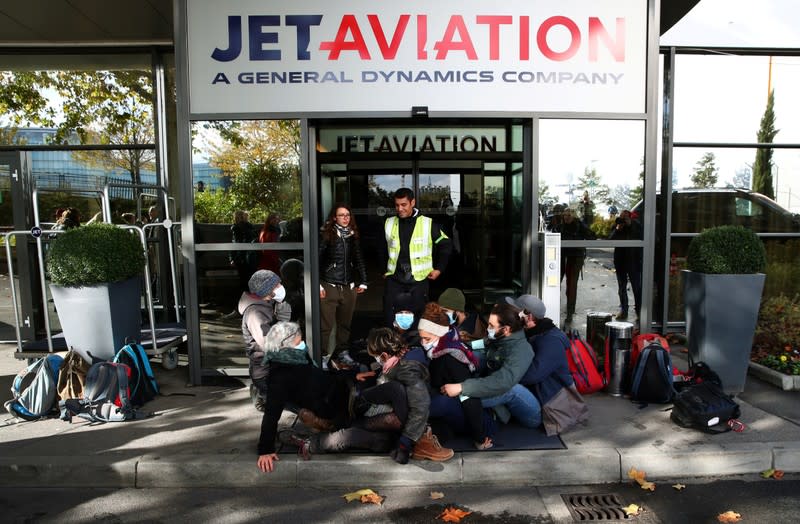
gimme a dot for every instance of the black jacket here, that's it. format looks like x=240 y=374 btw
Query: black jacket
x=341 y=262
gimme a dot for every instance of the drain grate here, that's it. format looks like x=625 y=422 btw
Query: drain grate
x=591 y=507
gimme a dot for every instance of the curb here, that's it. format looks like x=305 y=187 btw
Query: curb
x=776 y=378
x=550 y=468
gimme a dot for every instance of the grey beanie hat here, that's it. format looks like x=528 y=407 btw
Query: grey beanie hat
x=529 y=303
x=263 y=282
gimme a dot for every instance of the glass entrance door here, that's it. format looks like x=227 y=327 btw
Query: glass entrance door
x=477 y=203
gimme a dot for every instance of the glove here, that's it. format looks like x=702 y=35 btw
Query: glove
x=401 y=453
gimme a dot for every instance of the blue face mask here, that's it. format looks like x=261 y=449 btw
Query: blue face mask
x=404 y=320
x=301 y=346
x=490 y=332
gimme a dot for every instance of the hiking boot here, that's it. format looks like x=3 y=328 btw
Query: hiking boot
x=428 y=447
x=314 y=422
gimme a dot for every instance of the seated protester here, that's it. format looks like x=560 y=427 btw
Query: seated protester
x=260 y=309
x=508 y=356
x=469 y=324
x=403 y=383
x=451 y=362
x=549 y=370
x=405 y=322
x=292 y=378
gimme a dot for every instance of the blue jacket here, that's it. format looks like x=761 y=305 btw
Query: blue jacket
x=549 y=370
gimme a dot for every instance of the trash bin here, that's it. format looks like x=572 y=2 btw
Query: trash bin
x=618 y=345
x=596 y=332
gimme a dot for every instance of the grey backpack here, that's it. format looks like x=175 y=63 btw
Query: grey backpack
x=34 y=390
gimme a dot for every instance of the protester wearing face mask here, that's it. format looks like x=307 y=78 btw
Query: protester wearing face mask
x=508 y=357
x=451 y=362
x=293 y=380
x=470 y=325
x=405 y=322
x=260 y=308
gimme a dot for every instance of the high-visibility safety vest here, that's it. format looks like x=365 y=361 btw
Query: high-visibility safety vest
x=420 y=249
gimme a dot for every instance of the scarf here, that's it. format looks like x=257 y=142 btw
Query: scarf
x=394 y=359
x=344 y=232
x=292 y=356
x=450 y=344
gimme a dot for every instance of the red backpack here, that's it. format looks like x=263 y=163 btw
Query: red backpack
x=583 y=365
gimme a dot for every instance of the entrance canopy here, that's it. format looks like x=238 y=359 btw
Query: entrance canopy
x=87 y=22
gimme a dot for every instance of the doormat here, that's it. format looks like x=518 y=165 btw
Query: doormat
x=511 y=437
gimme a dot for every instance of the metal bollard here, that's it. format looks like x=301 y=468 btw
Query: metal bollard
x=618 y=351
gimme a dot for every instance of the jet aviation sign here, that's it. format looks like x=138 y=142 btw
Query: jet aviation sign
x=311 y=56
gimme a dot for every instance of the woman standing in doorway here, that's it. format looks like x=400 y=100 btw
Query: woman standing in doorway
x=343 y=274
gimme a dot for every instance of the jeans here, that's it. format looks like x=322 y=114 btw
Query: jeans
x=521 y=403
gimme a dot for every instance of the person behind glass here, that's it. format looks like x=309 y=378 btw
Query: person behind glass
x=292 y=380
x=628 y=263
x=343 y=274
x=587 y=209
x=261 y=307
x=242 y=233
x=508 y=356
x=549 y=371
x=572 y=258
x=469 y=325
x=270 y=232
x=68 y=219
x=417 y=252
x=451 y=362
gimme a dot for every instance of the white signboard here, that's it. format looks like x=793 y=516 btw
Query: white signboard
x=314 y=56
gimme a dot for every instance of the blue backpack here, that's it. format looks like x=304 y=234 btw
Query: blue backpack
x=142 y=382
x=35 y=389
x=652 y=376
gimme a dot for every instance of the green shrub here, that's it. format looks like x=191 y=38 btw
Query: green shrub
x=94 y=254
x=778 y=326
x=726 y=250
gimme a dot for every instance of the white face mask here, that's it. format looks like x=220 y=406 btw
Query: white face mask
x=490 y=332
x=430 y=346
x=279 y=294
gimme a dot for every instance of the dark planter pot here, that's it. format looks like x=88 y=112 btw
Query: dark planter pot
x=98 y=319
x=721 y=316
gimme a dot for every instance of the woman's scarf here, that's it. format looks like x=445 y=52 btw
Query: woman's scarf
x=344 y=232
x=393 y=360
x=291 y=356
x=450 y=344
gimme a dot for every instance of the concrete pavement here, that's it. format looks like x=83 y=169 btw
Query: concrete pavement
x=206 y=436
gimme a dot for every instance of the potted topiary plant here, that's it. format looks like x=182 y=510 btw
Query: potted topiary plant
x=95 y=280
x=722 y=293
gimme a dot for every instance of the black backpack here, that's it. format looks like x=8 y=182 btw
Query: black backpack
x=706 y=407
x=652 y=376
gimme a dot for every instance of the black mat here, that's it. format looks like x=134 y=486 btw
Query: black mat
x=511 y=437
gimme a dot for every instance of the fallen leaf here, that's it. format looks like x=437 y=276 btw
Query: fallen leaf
x=356 y=495
x=729 y=516
x=679 y=486
x=372 y=498
x=437 y=495
x=767 y=473
x=631 y=510
x=453 y=514
x=647 y=485
x=778 y=474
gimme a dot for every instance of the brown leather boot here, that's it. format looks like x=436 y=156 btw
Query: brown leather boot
x=314 y=422
x=428 y=447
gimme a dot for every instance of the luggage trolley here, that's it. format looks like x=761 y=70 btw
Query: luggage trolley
x=157 y=340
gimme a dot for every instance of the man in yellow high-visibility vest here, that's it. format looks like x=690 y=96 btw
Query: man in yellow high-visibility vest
x=417 y=251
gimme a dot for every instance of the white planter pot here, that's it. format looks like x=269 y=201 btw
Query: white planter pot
x=96 y=320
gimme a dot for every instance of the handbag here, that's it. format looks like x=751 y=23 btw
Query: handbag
x=564 y=410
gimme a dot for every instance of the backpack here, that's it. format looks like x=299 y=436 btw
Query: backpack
x=106 y=395
x=640 y=342
x=652 y=376
x=706 y=407
x=34 y=389
x=142 y=381
x=697 y=373
x=583 y=365
x=72 y=376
